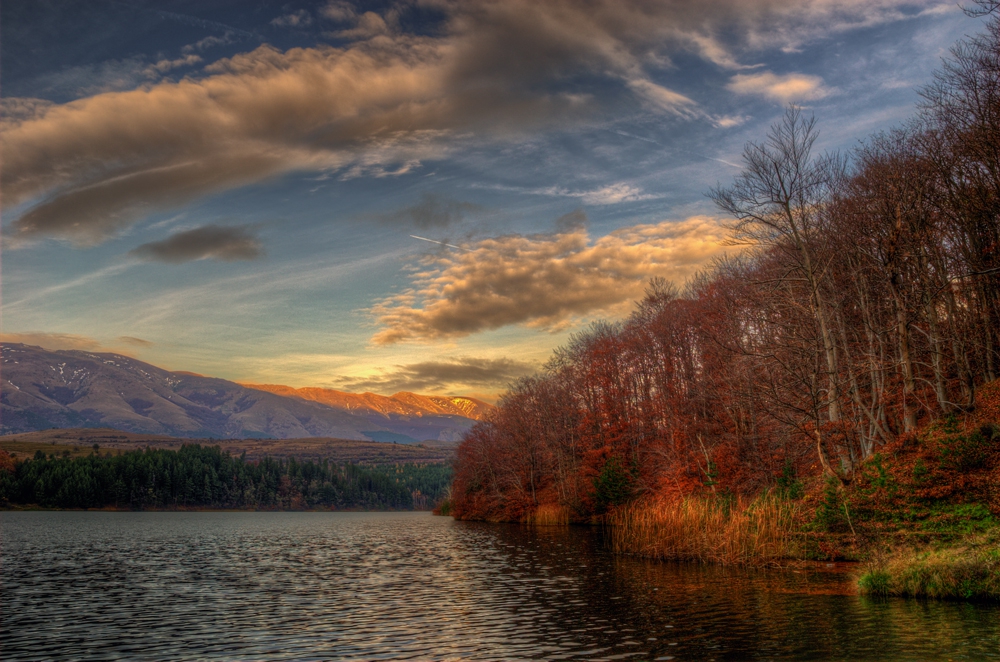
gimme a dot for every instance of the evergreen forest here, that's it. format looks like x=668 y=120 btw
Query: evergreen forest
x=206 y=477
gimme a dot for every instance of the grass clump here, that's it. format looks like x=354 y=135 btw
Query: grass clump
x=443 y=508
x=962 y=573
x=875 y=582
x=732 y=531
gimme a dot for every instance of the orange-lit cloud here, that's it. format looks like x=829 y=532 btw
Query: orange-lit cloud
x=544 y=280
x=441 y=376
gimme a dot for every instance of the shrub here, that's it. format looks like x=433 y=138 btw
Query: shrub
x=831 y=515
x=789 y=486
x=613 y=486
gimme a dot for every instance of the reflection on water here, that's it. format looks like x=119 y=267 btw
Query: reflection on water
x=278 y=586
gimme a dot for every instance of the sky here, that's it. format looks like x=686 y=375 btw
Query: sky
x=423 y=195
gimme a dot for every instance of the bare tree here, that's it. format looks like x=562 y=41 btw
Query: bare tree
x=777 y=201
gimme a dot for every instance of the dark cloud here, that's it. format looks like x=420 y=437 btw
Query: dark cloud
x=575 y=220
x=227 y=243
x=433 y=210
x=57 y=341
x=132 y=340
x=444 y=375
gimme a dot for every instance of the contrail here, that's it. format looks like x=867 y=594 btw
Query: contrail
x=650 y=140
x=441 y=242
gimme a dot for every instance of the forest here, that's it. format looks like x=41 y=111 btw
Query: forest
x=860 y=303
x=206 y=477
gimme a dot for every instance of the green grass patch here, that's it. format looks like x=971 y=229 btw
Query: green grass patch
x=968 y=572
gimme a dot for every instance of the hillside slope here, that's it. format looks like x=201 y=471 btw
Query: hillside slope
x=42 y=389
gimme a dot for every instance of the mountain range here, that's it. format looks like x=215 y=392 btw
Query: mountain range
x=42 y=389
x=420 y=416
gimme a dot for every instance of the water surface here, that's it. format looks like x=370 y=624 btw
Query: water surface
x=302 y=586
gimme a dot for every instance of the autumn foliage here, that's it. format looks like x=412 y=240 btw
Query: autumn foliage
x=863 y=301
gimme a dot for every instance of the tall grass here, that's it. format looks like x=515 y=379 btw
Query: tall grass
x=709 y=530
x=549 y=515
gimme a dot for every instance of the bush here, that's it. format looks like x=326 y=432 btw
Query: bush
x=965 y=452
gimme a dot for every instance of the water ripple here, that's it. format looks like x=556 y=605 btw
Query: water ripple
x=318 y=586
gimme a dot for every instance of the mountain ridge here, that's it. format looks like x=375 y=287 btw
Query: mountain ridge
x=41 y=389
x=403 y=402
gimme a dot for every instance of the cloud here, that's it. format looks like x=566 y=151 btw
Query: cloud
x=380 y=105
x=297 y=19
x=663 y=99
x=431 y=211
x=15 y=110
x=165 y=65
x=786 y=88
x=138 y=342
x=729 y=121
x=208 y=42
x=53 y=341
x=90 y=79
x=226 y=243
x=613 y=194
x=606 y=195
x=440 y=376
x=544 y=281
x=338 y=10
x=367 y=26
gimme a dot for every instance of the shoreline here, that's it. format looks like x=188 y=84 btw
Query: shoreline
x=36 y=508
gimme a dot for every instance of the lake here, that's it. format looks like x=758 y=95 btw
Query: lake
x=301 y=586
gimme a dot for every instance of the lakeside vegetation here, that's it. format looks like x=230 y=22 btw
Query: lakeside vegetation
x=207 y=477
x=830 y=391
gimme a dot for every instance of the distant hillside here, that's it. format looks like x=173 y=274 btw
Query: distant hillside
x=79 y=442
x=42 y=389
x=402 y=403
x=420 y=416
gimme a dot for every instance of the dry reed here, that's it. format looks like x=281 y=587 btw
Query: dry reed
x=736 y=532
x=549 y=515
